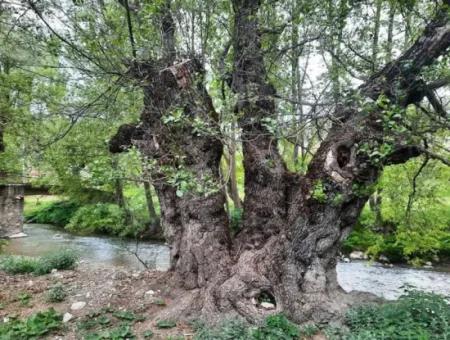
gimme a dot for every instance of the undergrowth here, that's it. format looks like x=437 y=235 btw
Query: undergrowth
x=34 y=327
x=61 y=260
x=415 y=316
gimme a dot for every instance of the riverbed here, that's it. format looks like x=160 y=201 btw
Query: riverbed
x=114 y=252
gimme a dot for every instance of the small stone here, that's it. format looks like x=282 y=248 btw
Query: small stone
x=57 y=236
x=78 y=305
x=383 y=258
x=428 y=265
x=254 y=302
x=5 y=319
x=346 y=260
x=150 y=292
x=267 y=305
x=30 y=283
x=54 y=270
x=88 y=295
x=67 y=317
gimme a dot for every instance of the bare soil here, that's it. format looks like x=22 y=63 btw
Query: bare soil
x=145 y=293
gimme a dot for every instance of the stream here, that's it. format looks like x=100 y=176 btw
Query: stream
x=109 y=251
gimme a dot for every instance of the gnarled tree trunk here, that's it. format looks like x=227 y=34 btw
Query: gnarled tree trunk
x=293 y=225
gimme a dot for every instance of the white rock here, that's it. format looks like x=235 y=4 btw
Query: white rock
x=383 y=258
x=78 y=305
x=267 y=305
x=346 y=260
x=18 y=235
x=254 y=302
x=5 y=319
x=357 y=255
x=150 y=292
x=67 y=317
x=88 y=295
x=30 y=283
x=54 y=270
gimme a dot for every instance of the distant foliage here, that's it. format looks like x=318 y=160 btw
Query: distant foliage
x=415 y=234
x=56 y=213
x=61 y=260
x=100 y=218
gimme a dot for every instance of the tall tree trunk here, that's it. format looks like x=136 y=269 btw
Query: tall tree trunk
x=155 y=226
x=292 y=225
x=376 y=34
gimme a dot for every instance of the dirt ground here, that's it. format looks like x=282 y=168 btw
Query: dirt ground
x=106 y=292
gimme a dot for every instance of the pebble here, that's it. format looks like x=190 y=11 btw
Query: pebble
x=150 y=292
x=67 y=317
x=78 y=305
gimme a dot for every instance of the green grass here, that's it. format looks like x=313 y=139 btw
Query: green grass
x=61 y=260
x=34 y=327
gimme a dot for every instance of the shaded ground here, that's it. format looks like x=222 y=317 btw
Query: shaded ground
x=112 y=296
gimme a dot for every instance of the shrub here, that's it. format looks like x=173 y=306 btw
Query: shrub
x=33 y=327
x=56 y=293
x=19 y=264
x=63 y=259
x=100 y=218
x=56 y=213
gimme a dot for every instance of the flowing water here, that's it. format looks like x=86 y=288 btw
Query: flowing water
x=108 y=251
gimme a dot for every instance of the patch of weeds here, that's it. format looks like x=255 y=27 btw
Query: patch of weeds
x=18 y=264
x=147 y=334
x=175 y=337
x=127 y=315
x=276 y=327
x=56 y=293
x=228 y=330
x=159 y=302
x=87 y=324
x=164 y=324
x=415 y=315
x=123 y=331
x=35 y=326
x=24 y=299
x=308 y=330
x=61 y=260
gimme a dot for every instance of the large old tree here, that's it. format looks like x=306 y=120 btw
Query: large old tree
x=293 y=224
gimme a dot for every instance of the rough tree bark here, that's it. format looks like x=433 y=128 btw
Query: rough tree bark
x=293 y=225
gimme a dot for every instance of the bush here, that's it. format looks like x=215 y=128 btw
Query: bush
x=19 y=264
x=34 y=327
x=100 y=218
x=64 y=259
x=56 y=213
x=416 y=315
x=56 y=293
